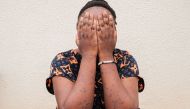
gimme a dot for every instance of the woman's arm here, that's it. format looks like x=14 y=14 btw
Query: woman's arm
x=78 y=95
x=118 y=94
x=81 y=93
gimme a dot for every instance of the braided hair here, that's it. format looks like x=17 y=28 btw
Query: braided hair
x=100 y=3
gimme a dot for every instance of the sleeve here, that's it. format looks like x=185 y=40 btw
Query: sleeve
x=129 y=68
x=60 y=66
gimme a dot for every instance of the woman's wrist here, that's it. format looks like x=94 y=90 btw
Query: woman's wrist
x=89 y=57
x=106 y=57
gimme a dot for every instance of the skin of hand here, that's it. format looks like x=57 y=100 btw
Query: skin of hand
x=107 y=36
x=103 y=44
x=86 y=38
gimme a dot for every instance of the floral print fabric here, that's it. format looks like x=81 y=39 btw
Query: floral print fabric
x=67 y=64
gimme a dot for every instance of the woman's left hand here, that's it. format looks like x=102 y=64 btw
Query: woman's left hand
x=107 y=36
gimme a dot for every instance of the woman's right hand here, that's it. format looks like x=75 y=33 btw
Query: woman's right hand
x=86 y=38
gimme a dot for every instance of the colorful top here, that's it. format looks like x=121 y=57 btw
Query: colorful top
x=67 y=64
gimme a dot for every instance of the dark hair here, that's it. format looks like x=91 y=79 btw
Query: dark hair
x=100 y=3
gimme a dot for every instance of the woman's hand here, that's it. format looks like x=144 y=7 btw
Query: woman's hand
x=86 y=35
x=107 y=36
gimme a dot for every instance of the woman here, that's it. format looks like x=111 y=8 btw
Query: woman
x=96 y=74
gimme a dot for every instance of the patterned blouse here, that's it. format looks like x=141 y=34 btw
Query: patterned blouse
x=67 y=64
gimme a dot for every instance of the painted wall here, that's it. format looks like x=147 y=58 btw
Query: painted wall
x=156 y=32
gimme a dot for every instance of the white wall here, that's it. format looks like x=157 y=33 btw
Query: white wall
x=156 y=32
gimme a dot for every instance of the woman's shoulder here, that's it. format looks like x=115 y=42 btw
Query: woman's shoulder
x=66 y=53
x=120 y=53
x=66 y=57
x=126 y=62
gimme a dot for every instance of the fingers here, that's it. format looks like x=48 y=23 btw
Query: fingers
x=93 y=28
x=101 y=20
x=103 y=26
x=87 y=26
x=105 y=17
x=80 y=22
x=100 y=26
x=91 y=24
x=111 y=21
x=83 y=21
x=86 y=18
x=91 y=18
x=106 y=22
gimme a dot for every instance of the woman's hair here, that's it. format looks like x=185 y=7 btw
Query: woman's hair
x=100 y=3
